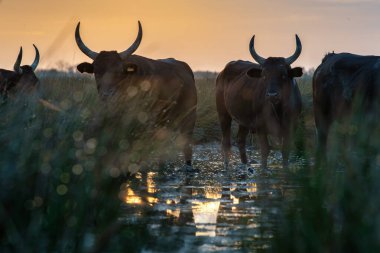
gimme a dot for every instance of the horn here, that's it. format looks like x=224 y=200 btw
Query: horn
x=297 y=53
x=260 y=60
x=17 y=65
x=82 y=46
x=135 y=44
x=36 y=59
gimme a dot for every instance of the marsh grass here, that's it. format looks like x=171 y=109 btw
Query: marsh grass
x=207 y=126
x=64 y=159
x=338 y=209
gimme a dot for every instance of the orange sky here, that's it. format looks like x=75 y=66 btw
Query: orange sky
x=205 y=33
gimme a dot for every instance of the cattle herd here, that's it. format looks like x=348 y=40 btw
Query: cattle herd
x=262 y=98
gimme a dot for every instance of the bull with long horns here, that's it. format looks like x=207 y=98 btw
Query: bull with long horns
x=22 y=78
x=262 y=98
x=171 y=80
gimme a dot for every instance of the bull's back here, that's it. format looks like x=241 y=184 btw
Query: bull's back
x=337 y=80
x=182 y=69
x=235 y=70
x=339 y=70
x=236 y=92
x=180 y=75
x=175 y=89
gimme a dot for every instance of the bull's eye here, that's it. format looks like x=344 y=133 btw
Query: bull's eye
x=129 y=69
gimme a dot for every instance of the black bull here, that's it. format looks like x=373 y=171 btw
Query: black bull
x=22 y=78
x=263 y=98
x=170 y=80
x=340 y=82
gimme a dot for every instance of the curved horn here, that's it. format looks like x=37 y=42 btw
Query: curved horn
x=260 y=60
x=82 y=46
x=297 y=53
x=36 y=59
x=17 y=65
x=135 y=44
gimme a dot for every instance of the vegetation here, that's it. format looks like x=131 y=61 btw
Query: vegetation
x=64 y=160
x=338 y=209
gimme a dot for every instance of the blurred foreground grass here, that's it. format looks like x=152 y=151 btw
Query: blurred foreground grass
x=63 y=161
x=338 y=208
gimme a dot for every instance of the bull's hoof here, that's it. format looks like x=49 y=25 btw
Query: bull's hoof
x=266 y=172
x=241 y=170
x=253 y=161
x=190 y=169
x=252 y=172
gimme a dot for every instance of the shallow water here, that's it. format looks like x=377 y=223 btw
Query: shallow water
x=215 y=210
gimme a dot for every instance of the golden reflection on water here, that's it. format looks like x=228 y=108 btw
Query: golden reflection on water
x=176 y=212
x=204 y=202
x=252 y=187
x=151 y=187
x=132 y=198
x=205 y=211
x=150 y=182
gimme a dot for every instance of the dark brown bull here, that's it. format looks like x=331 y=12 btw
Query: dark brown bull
x=172 y=81
x=263 y=98
x=340 y=82
x=22 y=78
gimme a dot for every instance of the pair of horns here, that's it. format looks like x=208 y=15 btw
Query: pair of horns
x=93 y=54
x=17 y=66
x=260 y=60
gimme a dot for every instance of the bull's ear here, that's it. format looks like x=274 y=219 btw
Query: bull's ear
x=86 y=67
x=254 y=73
x=130 y=68
x=295 y=72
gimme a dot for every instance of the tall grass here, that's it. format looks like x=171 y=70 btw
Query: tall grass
x=207 y=126
x=338 y=209
x=64 y=158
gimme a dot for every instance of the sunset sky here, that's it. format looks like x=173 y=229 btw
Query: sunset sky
x=205 y=33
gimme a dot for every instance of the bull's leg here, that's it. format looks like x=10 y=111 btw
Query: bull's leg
x=225 y=123
x=186 y=132
x=285 y=151
x=322 y=128
x=321 y=146
x=264 y=148
x=242 y=136
x=188 y=148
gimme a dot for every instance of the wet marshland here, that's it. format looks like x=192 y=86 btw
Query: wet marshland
x=216 y=210
x=62 y=189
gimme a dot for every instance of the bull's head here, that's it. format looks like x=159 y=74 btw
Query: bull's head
x=275 y=72
x=109 y=67
x=22 y=78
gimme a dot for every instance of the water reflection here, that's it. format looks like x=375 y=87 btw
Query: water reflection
x=132 y=198
x=214 y=211
x=205 y=209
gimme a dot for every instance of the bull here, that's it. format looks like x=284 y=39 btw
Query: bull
x=171 y=80
x=262 y=98
x=22 y=78
x=344 y=84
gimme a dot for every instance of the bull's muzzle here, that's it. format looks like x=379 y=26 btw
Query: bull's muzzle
x=273 y=96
